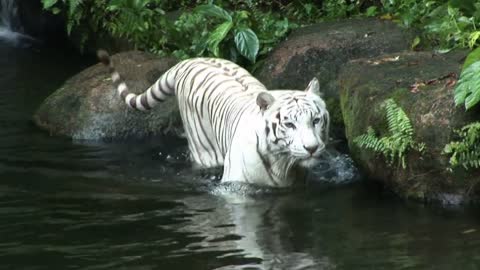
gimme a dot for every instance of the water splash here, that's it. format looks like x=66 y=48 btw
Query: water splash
x=240 y=190
x=335 y=168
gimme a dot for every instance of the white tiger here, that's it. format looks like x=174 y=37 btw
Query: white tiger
x=231 y=119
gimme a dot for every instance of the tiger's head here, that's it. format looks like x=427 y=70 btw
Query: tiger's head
x=296 y=123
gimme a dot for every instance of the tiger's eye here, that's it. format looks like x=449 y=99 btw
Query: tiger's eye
x=316 y=121
x=290 y=125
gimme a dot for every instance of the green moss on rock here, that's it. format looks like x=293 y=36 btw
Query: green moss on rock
x=421 y=84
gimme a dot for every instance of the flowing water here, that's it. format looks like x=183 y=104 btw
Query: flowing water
x=78 y=205
x=11 y=30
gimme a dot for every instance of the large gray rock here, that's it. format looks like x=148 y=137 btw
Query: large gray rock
x=422 y=85
x=87 y=106
x=320 y=51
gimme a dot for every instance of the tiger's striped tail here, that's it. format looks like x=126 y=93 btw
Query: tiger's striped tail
x=155 y=94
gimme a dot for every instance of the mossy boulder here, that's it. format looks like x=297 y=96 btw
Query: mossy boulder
x=320 y=51
x=422 y=84
x=87 y=106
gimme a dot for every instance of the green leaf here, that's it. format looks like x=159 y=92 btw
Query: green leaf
x=73 y=7
x=371 y=11
x=472 y=99
x=55 y=10
x=472 y=57
x=415 y=42
x=69 y=27
x=241 y=15
x=47 y=4
x=460 y=94
x=217 y=36
x=468 y=86
x=443 y=50
x=213 y=11
x=247 y=43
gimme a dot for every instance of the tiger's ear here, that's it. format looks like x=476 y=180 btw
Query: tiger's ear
x=314 y=87
x=264 y=100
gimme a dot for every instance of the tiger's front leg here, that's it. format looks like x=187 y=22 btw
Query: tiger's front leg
x=243 y=164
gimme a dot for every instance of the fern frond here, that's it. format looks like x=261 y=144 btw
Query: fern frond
x=397 y=120
x=369 y=140
x=466 y=151
x=400 y=140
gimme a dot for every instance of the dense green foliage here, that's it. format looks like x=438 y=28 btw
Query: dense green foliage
x=236 y=32
x=243 y=31
x=150 y=25
x=466 y=151
x=400 y=140
x=445 y=24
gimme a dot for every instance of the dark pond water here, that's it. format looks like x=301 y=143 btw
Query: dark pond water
x=74 y=205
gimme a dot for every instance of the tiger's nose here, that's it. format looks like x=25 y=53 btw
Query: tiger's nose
x=311 y=148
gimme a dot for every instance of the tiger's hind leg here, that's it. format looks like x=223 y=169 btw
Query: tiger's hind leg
x=205 y=158
x=204 y=150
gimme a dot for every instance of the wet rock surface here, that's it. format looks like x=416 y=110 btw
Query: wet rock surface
x=87 y=106
x=422 y=84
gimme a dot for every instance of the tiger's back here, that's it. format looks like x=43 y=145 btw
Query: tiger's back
x=213 y=95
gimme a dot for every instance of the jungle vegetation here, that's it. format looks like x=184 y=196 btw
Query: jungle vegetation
x=246 y=31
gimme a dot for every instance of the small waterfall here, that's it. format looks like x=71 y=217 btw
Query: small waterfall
x=9 y=15
x=11 y=29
